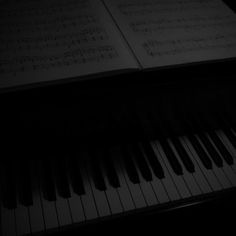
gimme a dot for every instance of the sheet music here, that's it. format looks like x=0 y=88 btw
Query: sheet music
x=168 y=32
x=55 y=39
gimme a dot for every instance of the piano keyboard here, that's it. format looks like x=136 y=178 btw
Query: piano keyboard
x=52 y=193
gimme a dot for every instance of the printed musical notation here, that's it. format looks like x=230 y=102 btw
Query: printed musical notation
x=41 y=40
x=167 y=32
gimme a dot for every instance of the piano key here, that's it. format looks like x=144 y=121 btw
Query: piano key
x=24 y=182
x=206 y=161
x=49 y=207
x=145 y=184
x=208 y=173
x=170 y=186
x=229 y=170
x=8 y=222
x=8 y=182
x=75 y=204
x=62 y=205
x=221 y=148
x=187 y=176
x=203 y=138
x=199 y=176
x=134 y=188
x=22 y=220
x=174 y=164
x=109 y=169
x=47 y=182
x=88 y=202
x=129 y=166
x=229 y=146
x=183 y=156
x=141 y=164
x=123 y=190
x=178 y=179
x=156 y=183
x=60 y=177
x=153 y=161
x=99 y=196
x=112 y=196
x=74 y=175
x=36 y=210
x=94 y=157
x=217 y=170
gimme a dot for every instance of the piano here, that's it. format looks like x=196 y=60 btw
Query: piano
x=137 y=155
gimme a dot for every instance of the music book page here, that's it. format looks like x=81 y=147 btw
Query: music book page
x=170 y=32
x=57 y=39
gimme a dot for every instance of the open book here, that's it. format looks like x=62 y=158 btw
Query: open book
x=51 y=40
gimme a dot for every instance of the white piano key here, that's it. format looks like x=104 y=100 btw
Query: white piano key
x=62 y=207
x=112 y=197
x=90 y=209
x=229 y=171
x=188 y=177
x=63 y=211
x=170 y=187
x=179 y=182
x=210 y=176
x=22 y=220
x=134 y=189
x=100 y=198
x=218 y=171
x=146 y=188
x=230 y=147
x=77 y=211
x=8 y=222
x=123 y=190
x=157 y=185
x=50 y=214
x=198 y=175
x=36 y=210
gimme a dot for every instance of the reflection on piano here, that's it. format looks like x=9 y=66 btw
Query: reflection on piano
x=109 y=156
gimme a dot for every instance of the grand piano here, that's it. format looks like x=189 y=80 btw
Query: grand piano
x=131 y=155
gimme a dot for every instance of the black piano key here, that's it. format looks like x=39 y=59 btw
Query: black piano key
x=99 y=195
x=88 y=201
x=183 y=155
x=8 y=185
x=154 y=163
x=199 y=176
x=61 y=179
x=123 y=190
x=175 y=165
x=203 y=156
x=211 y=150
x=36 y=210
x=94 y=164
x=129 y=165
x=218 y=171
x=75 y=175
x=171 y=189
x=141 y=162
x=230 y=136
x=208 y=173
x=48 y=184
x=177 y=179
x=48 y=204
x=109 y=169
x=24 y=185
x=222 y=149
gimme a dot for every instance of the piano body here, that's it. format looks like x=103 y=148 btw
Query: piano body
x=98 y=155
x=121 y=154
